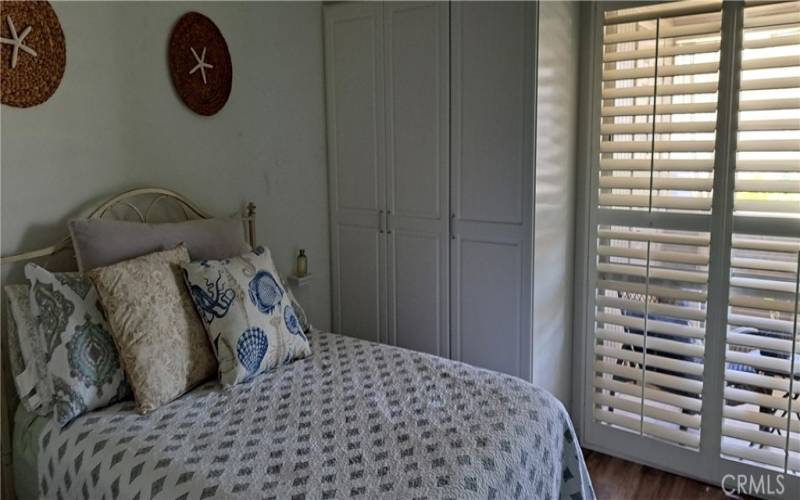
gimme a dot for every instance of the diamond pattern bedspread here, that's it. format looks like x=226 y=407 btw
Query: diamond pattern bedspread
x=355 y=420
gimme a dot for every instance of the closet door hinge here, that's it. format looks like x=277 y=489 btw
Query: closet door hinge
x=452 y=226
x=388 y=222
x=380 y=221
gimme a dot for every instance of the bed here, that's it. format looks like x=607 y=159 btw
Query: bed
x=354 y=420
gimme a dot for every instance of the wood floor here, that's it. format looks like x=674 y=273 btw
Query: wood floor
x=617 y=479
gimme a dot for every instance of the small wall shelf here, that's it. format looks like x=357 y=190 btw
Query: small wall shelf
x=300 y=281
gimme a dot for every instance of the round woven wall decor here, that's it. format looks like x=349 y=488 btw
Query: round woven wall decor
x=200 y=64
x=32 y=53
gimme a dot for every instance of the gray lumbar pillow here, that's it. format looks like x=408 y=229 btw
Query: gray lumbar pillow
x=101 y=243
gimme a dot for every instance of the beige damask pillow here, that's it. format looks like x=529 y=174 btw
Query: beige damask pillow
x=161 y=341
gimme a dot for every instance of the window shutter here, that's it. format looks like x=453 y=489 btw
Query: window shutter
x=761 y=412
x=650 y=331
x=659 y=104
x=657 y=148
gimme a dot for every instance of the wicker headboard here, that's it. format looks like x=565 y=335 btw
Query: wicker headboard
x=142 y=205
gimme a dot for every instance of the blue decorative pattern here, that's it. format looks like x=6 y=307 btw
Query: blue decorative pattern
x=92 y=355
x=292 y=323
x=251 y=349
x=265 y=292
x=214 y=301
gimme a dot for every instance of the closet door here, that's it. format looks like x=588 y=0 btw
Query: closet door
x=356 y=157
x=416 y=37
x=492 y=135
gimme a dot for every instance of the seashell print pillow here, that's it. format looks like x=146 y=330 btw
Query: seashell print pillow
x=248 y=314
x=83 y=368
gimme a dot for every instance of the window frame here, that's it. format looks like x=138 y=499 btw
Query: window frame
x=706 y=464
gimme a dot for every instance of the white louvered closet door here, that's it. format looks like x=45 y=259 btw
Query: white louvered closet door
x=657 y=148
x=694 y=260
x=761 y=413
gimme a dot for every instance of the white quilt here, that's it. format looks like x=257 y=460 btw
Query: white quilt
x=355 y=420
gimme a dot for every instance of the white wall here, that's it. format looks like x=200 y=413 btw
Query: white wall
x=554 y=225
x=116 y=123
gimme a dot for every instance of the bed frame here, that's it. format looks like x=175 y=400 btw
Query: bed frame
x=141 y=205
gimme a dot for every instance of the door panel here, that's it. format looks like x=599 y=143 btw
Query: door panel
x=417 y=135
x=417 y=125
x=355 y=95
x=356 y=162
x=490 y=293
x=360 y=266
x=492 y=97
x=492 y=130
x=417 y=293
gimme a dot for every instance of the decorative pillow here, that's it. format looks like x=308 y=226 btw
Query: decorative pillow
x=83 y=366
x=298 y=309
x=26 y=356
x=160 y=338
x=100 y=242
x=248 y=315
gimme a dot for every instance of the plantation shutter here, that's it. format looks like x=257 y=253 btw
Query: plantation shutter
x=658 y=113
x=657 y=149
x=761 y=412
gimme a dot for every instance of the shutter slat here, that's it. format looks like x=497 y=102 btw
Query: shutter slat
x=756 y=398
x=656 y=255
x=769 y=21
x=658 y=146
x=768 y=166
x=768 y=104
x=770 y=62
x=655 y=236
x=691 y=404
x=674 y=50
x=684 y=184
x=760 y=186
x=779 y=124
x=665 y=32
x=763 y=284
x=767 y=456
x=654 y=272
x=759 y=342
x=756 y=417
x=768 y=145
x=788 y=82
x=776 y=41
x=661 y=127
x=667 y=70
x=661 y=90
x=634 y=406
x=787 y=246
x=655 y=291
x=755 y=380
x=667 y=109
x=661 y=165
x=668 y=9
x=763 y=303
x=764 y=265
x=653 y=326
x=658 y=379
x=657 y=201
x=654 y=343
x=767 y=206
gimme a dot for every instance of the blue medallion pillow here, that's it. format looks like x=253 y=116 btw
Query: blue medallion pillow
x=83 y=367
x=248 y=314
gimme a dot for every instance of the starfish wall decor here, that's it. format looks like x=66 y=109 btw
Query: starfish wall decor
x=201 y=63
x=16 y=42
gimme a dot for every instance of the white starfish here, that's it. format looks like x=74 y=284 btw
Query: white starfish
x=16 y=41
x=201 y=63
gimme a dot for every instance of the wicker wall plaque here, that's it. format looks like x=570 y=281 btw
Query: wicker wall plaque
x=200 y=64
x=32 y=53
